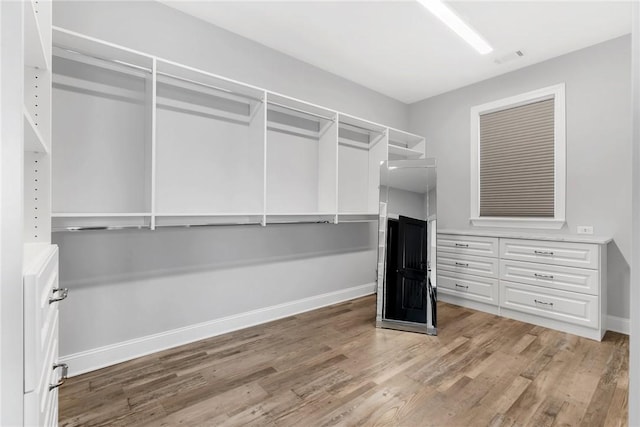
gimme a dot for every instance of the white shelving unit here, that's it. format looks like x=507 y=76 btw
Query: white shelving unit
x=39 y=257
x=37 y=42
x=300 y=160
x=209 y=142
x=37 y=127
x=362 y=146
x=142 y=141
x=405 y=146
x=102 y=174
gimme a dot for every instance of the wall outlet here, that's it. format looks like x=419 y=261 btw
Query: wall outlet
x=585 y=229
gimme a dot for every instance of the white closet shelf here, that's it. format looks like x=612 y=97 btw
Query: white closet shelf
x=98 y=214
x=354 y=144
x=196 y=214
x=99 y=49
x=357 y=217
x=405 y=137
x=33 y=139
x=203 y=219
x=358 y=213
x=361 y=124
x=280 y=127
x=61 y=81
x=188 y=107
x=34 y=51
x=305 y=217
x=298 y=108
x=405 y=152
x=181 y=75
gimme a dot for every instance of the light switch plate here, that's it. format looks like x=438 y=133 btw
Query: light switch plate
x=585 y=229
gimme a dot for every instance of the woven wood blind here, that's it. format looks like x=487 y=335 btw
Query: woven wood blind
x=517 y=161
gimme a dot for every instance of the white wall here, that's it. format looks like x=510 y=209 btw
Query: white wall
x=125 y=286
x=598 y=119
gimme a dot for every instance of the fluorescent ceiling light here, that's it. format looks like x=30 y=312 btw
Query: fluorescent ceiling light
x=453 y=21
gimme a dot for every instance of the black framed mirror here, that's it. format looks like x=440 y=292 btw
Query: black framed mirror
x=407 y=288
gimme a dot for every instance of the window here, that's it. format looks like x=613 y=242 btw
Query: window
x=518 y=161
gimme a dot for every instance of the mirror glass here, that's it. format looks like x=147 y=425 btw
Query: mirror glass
x=406 y=246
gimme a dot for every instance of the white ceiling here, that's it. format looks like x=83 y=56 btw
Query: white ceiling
x=399 y=49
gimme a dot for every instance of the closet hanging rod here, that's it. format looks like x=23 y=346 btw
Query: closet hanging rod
x=297 y=110
x=369 y=131
x=298 y=222
x=221 y=89
x=211 y=224
x=112 y=61
x=106 y=227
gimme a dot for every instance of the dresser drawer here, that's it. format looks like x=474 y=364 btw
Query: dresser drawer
x=569 y=307
x=468 y=245
x=551 y=276
x=467 y=264
x=558 y=253
x=481 y=289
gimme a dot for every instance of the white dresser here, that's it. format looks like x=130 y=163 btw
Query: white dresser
x=559 y=282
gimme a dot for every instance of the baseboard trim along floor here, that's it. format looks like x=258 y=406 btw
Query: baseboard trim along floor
x=618 y=324
x=90 y=360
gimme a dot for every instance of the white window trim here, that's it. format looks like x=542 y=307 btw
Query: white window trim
x=557 y=93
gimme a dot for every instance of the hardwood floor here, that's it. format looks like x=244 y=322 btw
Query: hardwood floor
x=333 y=367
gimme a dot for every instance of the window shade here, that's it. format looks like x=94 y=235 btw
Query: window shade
x=517 y=161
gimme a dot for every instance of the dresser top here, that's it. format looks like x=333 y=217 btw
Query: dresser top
x=574 y=238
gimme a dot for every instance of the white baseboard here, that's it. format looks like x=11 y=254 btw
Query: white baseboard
x=101 y=357
x=618 y=324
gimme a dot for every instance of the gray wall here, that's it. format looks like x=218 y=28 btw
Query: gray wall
x=127 y=285
x=406 y=203
x=598 y=118
x=634 y=350
x=130 y=284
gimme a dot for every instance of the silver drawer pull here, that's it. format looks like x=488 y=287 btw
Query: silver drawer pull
x=461 y=264
x=64 y=293
x=543 y=276
x=462 y=245
x=462 y=286
x=543 y=252
x=63 y=378
x=543 y=303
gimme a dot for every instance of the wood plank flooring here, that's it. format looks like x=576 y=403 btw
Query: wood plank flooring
x=333 y=367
